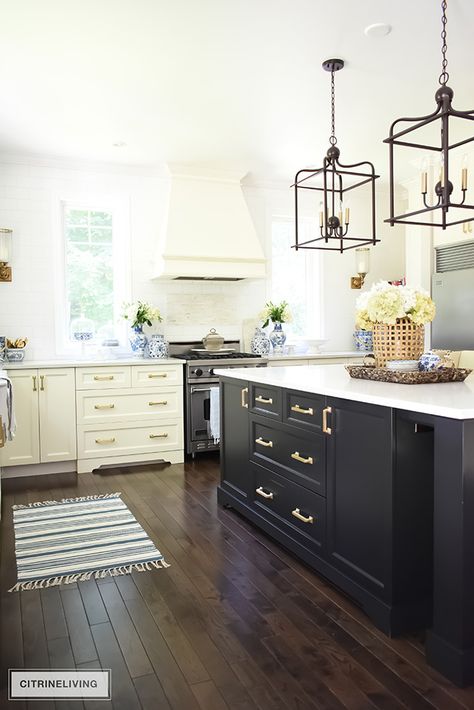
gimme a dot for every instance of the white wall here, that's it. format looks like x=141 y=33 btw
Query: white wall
x=29 y=192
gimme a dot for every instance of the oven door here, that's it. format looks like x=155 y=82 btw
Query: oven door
x=199 y=414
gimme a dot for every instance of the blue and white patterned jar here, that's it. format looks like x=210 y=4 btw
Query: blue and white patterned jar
x=363 y=340
x=429 y=361
x=260 y=344
x=138 y=341
x=277 y=338
x=157 y=346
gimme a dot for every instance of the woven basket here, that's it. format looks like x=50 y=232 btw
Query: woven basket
x=402 y=341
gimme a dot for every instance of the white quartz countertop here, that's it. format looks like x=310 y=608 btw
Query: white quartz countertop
x=453 y=400
x=318 y=356
x=115 y=362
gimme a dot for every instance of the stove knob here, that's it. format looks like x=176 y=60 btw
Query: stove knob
x=211 y=370
x=198 y=372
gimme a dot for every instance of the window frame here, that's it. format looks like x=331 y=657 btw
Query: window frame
x=314 y=291
x=119 y=208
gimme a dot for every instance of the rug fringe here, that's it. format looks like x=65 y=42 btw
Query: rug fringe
x=39 y=504
x=85 y=576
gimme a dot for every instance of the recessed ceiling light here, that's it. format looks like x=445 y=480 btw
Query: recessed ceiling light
x=379 y=29
x=119 y=144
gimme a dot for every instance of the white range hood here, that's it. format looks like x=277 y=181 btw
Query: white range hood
x=208 y=231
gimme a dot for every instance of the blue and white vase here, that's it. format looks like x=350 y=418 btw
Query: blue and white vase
x=138 y=341
x=157 y=346
x=429 y=361
x=260 y=344
x=277 y=338
x=363 y=340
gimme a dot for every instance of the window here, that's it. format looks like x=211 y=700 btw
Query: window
x=295 y=277
x=94 y=269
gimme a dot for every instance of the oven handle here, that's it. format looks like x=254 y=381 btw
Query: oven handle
x=203 y=389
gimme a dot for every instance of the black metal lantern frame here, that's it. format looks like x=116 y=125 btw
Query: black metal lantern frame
x=334 y=180
x=444 y=188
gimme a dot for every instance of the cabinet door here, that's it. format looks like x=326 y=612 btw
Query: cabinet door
x=359 y=481
x=235 y=468
x=57 y=409
x=24 y=449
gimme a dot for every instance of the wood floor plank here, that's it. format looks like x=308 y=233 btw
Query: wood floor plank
x=53 y=613
x=151 y=693
x=93 y=604
x=82 y=643
x=123 y=691
x=60 y=656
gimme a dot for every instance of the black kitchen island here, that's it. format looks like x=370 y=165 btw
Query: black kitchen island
x=371 y=484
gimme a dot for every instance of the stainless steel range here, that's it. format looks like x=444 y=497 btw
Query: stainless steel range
x=199 y=379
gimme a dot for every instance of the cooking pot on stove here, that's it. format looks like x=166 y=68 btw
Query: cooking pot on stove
x=213 y=341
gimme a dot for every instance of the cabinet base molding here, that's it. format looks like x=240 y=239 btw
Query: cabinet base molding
x=90 y=465
x=392 y=620
x=38 y=469
x=456 y=665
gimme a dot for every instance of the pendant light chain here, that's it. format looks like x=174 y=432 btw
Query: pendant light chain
x=333 y=139
x=444 y=76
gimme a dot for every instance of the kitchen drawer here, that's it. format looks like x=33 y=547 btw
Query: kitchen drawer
x=265 y=400
x=303 y=410
x=100 y=378
x=296 y=455
x=123 y=439
x=293 y=508
x=98 y=407
x=151 y=375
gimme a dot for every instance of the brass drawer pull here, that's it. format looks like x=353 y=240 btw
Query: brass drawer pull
x=158 y=436
x=154 y=404
x=297 y=514
x=101 y=378
x=42 y=383
x=152 y=375
x=263 y=493
x=243 y=397
x=326 y=428
x=35 y=389
x=105 y=441
x=264 y=400
x=104 y=406
x=296 y=456
x=263 y=442
x=300 y=410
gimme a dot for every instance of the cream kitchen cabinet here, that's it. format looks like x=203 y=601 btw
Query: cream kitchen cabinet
x=45 y=415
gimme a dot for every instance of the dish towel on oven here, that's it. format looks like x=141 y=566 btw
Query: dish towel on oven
x=7 y=413
x=215 y=415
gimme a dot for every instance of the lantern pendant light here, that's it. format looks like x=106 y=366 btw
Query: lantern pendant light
x=330 y=231
x=446 y=195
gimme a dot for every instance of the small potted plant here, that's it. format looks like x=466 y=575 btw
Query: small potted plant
x=277 y=314
x=139 y=314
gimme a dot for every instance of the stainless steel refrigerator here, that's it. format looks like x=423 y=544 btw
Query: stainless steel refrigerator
x=453 y=294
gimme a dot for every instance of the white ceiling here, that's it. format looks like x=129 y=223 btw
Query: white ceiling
x=223 y=82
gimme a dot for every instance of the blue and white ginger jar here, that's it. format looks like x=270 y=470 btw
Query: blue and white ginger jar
x=138 y=341
x=363 y=340
x=429 y=361
x=260 y=344
x=277 y=338
x=157 y=346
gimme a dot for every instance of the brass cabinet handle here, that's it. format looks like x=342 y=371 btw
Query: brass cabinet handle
x=264 y=400
x=326 y=428
x=42 y=383
x=263 y=493
x=152 y=375
x=243 y=397
x=35 y=389
x=158 y=436
x=101 y=378
x=296 y=455
x=104 y=406
x=263 y=442
x=105 y=441
x=297 y=514
x=154 y=404
x=300 y=410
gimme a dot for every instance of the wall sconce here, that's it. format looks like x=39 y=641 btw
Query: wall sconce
x=5 y=253
x=362 y=267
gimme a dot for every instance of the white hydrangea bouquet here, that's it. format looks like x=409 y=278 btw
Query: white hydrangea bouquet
x=396 y=315
x=387 y=304
x=276 y=313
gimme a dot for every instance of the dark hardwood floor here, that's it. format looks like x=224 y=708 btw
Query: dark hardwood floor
x=234 y=622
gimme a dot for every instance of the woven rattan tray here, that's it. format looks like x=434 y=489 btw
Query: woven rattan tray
x=381 y=374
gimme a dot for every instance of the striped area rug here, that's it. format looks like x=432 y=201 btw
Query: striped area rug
x=59 y=542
